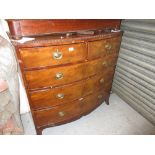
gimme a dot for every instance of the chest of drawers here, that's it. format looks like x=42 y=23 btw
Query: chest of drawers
x=67 y=75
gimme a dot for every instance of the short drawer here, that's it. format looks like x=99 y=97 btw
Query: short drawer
x=104 y=47
x=53 y=55
x=56 y=114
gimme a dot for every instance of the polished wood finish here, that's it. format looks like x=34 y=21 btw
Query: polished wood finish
x=92 y=101
x=101 y=48
x=70 y=73
x=66 y=76
x=68 y=54
x=63 y=39
x=47 y=77
x=20 y=28
x=50 y=97
x=56 y=114
x=68 y=110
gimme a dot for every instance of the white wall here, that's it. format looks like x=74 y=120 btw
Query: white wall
x=24 y=105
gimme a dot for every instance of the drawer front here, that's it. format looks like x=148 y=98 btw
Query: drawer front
x=69 y=110
x=96 y=49
x=67 y=74
x=110 y=61
x=53 y=55
x=98 y=82
x=56 y=96
x=102 y=48
x=56 y=114
x=113 y=45
x=92 y=101
x=52 y=97
x=54 y=76
x=100 y=65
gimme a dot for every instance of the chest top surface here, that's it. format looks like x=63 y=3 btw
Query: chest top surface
x=24 y=28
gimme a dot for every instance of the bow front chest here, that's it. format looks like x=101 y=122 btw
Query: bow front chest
x=66 y=74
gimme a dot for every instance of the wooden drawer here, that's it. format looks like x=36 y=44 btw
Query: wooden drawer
x=98 y=82
x=56 y=114
x=104 y=47
x=68 y=111
x=52 y=97
x=110 y=61
x=113 y=45
x=90 y=102
x=54 y=76
x=56 y=96
x=53 y=55
x=100 y=65
x=67 y=74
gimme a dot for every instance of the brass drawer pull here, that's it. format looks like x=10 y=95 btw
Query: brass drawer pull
x=108 y=46
x=59 y=76
x=60 y=96
x=57 y=55
x=100 y=96
x=61 y=113
x=102 y=80
x=104 y=63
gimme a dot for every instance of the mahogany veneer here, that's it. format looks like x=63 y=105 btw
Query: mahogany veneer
x=66 y=75
x=31 y=27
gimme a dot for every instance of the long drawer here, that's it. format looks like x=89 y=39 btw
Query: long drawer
x=63 y=94
x=53 y=55
x=52 y=97
x=52 y=77
x=68 y=111
x=56 y=114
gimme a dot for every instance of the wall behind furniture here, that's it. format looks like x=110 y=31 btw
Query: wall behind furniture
x=134 y=79
x=24 y=106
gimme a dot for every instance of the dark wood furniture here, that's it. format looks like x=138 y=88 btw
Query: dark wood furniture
x=68 y=69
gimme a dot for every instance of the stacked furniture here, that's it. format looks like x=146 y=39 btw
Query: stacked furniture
x=68 y=68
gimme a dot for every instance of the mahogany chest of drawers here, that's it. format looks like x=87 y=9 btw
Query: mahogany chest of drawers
x=68 y=74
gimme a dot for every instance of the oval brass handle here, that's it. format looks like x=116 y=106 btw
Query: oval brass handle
x=100 y=96
x=60 y=96
x=59 y=76
x=102 y=80
x=108 y=46
x=61 y=113
x=57 y=55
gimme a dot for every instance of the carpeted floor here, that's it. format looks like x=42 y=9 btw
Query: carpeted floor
x=117 y=118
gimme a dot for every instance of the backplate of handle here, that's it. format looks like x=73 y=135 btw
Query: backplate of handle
x=108 y=46
x=61 y=113
x=59 y=76
x=60 y=96
x=57 y=55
